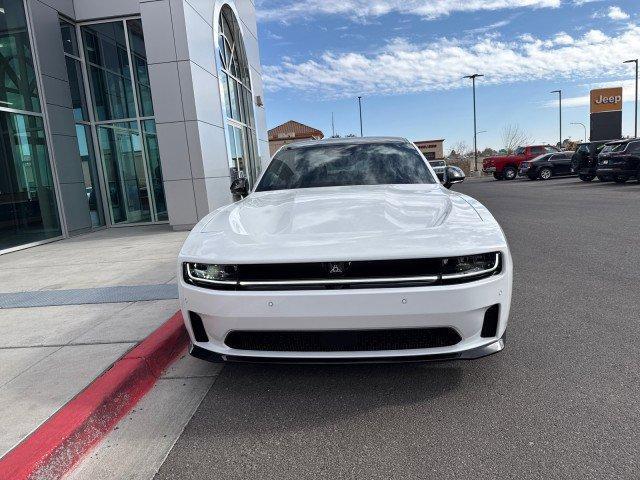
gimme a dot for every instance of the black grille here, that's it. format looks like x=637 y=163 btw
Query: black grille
x=348 y=270
x=342 y=340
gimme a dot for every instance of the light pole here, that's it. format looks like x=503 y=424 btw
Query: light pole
x=559 y=92
x=360 y=109
x=475 y=125
x=636 y=117
x=583 y=126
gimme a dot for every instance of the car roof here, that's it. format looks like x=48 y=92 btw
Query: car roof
x=618 y=142
x=346 y=140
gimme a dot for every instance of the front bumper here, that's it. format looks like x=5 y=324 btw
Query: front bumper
x=489 y=170
x=461 y=307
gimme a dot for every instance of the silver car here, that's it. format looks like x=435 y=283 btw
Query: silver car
x=438 y=167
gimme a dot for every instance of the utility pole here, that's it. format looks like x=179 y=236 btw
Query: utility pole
x=636 y=116
x=360 y=109
x=475 y=123
x=559 y=92
x=333 y=126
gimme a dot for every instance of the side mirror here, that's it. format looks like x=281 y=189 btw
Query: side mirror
x=452 y=175
x=240 y=187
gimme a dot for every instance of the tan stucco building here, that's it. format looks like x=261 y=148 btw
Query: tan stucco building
x=431 y=149
x=290 y=132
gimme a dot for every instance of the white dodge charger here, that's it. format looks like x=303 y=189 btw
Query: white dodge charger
x=347 y=250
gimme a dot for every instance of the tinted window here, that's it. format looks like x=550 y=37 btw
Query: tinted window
x=616 y=147
x=550 y=149
x=537 y=150
x=345 y=164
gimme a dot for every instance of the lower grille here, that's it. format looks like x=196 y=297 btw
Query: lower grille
x=343 y=340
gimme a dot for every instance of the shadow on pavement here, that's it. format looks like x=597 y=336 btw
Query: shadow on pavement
x=288 y=397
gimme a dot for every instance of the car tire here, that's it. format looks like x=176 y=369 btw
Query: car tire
x=586 y=178
x=510 y=173
x=621 y=179
x=497 y=176
x=603 y=179
x=545 y=173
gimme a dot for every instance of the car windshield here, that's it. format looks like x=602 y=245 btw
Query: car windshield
x=541 y=157
x=519 y=151
x=342 y=164
x=437 y=163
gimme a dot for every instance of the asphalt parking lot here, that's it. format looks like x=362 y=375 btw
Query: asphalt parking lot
x=561 y=401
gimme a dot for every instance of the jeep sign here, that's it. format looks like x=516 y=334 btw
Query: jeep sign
x=606 y=100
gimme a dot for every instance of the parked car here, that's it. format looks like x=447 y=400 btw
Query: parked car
x=438 y=167
x=505 y=167
x=620 y=160
x=346 y=250
x=546 y=166
x=584 y=162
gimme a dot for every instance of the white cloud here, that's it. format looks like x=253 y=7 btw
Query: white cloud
x=613 y=13
x=286 y=10
x=628 y=93
x=404 y=67
x=616 y=13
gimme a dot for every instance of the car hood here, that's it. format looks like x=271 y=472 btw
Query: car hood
x=343 y=223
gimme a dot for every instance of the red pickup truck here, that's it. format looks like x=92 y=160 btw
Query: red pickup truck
x=505 y=167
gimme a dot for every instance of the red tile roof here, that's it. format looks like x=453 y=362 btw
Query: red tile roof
x=294 y=130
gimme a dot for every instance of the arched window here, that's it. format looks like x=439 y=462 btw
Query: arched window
x=237 y=99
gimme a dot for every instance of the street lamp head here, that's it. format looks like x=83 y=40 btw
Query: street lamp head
x=631 y=61
x=475 y=75
x=556 y=91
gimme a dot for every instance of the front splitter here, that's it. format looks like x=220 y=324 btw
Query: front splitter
x=209 y=356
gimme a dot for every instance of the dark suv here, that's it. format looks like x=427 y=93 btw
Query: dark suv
x=620 y=160
x=546 y=166
x=585 y=160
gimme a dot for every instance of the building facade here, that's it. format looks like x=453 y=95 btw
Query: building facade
x=290 y=132
x=124 y=112
x=431 y=149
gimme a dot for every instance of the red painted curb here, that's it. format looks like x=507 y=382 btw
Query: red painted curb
x=59 y=443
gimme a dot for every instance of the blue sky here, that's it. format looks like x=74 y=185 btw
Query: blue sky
x=406 y=58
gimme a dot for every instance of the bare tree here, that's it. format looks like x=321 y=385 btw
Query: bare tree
x=513 y=137
x=460 y=149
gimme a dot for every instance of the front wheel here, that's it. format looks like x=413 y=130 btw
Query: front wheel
x=510 y=173
x=545 y=174
x=603 y=179
x=586 y=178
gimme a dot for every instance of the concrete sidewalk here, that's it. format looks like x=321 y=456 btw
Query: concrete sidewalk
x=48 y=354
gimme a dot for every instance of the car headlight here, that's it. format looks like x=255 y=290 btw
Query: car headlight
x=470 y=266
x=210 y=274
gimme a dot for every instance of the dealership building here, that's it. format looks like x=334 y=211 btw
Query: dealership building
x=124 y=112
x=431 y=149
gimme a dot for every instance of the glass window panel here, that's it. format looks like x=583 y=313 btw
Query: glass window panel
x=76 y=85
x=28 y=209
x=237 y=98
x=109 y=74
x=140 y=69
x=90 y=175
x=18 y=88
x=123 y=162
x=69 y=38
x=155 y=170
x=234 y=100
